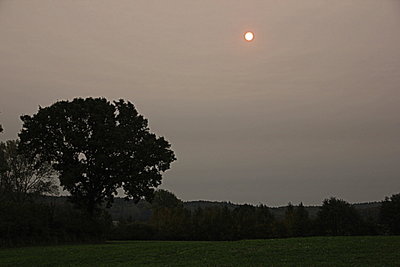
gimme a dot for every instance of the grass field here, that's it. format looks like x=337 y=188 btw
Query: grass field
x=313 y=251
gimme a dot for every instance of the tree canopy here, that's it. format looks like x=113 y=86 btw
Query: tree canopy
x=338 y=217
x=167 y=199
x=390 y=213
x=97 y=146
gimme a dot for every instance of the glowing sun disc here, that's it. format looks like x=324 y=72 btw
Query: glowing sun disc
x=249 y=36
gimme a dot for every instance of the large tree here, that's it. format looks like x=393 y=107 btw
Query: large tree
x=97 y=147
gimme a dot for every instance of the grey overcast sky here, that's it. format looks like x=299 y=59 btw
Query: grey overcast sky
x=309 y=109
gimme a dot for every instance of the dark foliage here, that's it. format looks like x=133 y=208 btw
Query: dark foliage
x=390 y=214
x=296 y=222
x=165 y=199
x=338 y=217
x=97 y=147
x=30 y=223
x=174 y=221
x=58 y=222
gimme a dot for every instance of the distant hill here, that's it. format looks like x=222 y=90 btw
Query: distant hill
x=127 y=210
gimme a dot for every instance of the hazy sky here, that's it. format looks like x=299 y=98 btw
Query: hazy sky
x=309 y=109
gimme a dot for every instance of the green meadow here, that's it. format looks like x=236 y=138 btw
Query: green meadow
x=312 y=251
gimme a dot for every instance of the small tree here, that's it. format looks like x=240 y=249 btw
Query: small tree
x=3 y=165
x=296 y=220
x=302 y=221
x=21 y=177
x=390 y=213
x=166 y=199
x=169 y=216
x=289 y=220
x=265 y=220
x=97 y=147
x=338 y=217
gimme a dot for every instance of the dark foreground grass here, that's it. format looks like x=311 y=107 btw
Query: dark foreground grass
x=313 y=251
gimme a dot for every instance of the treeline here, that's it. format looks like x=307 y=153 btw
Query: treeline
x=26 y=178
x=172 y=221
x=40 y=221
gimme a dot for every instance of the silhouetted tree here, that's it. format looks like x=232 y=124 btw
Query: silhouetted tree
x=264 y=221
x=245 y=221
x=171 y=223
x=97 y=147
x=390 y=213
x=338 y=217
x=301 y=225
x=3 y=163
x=169 y=217
x=198 y=224
x=3 y=169
x=216 y=224
x=166 y=199
x=21 y=177
x=289 y=220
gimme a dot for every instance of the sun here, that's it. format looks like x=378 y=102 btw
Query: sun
x=249 y=36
